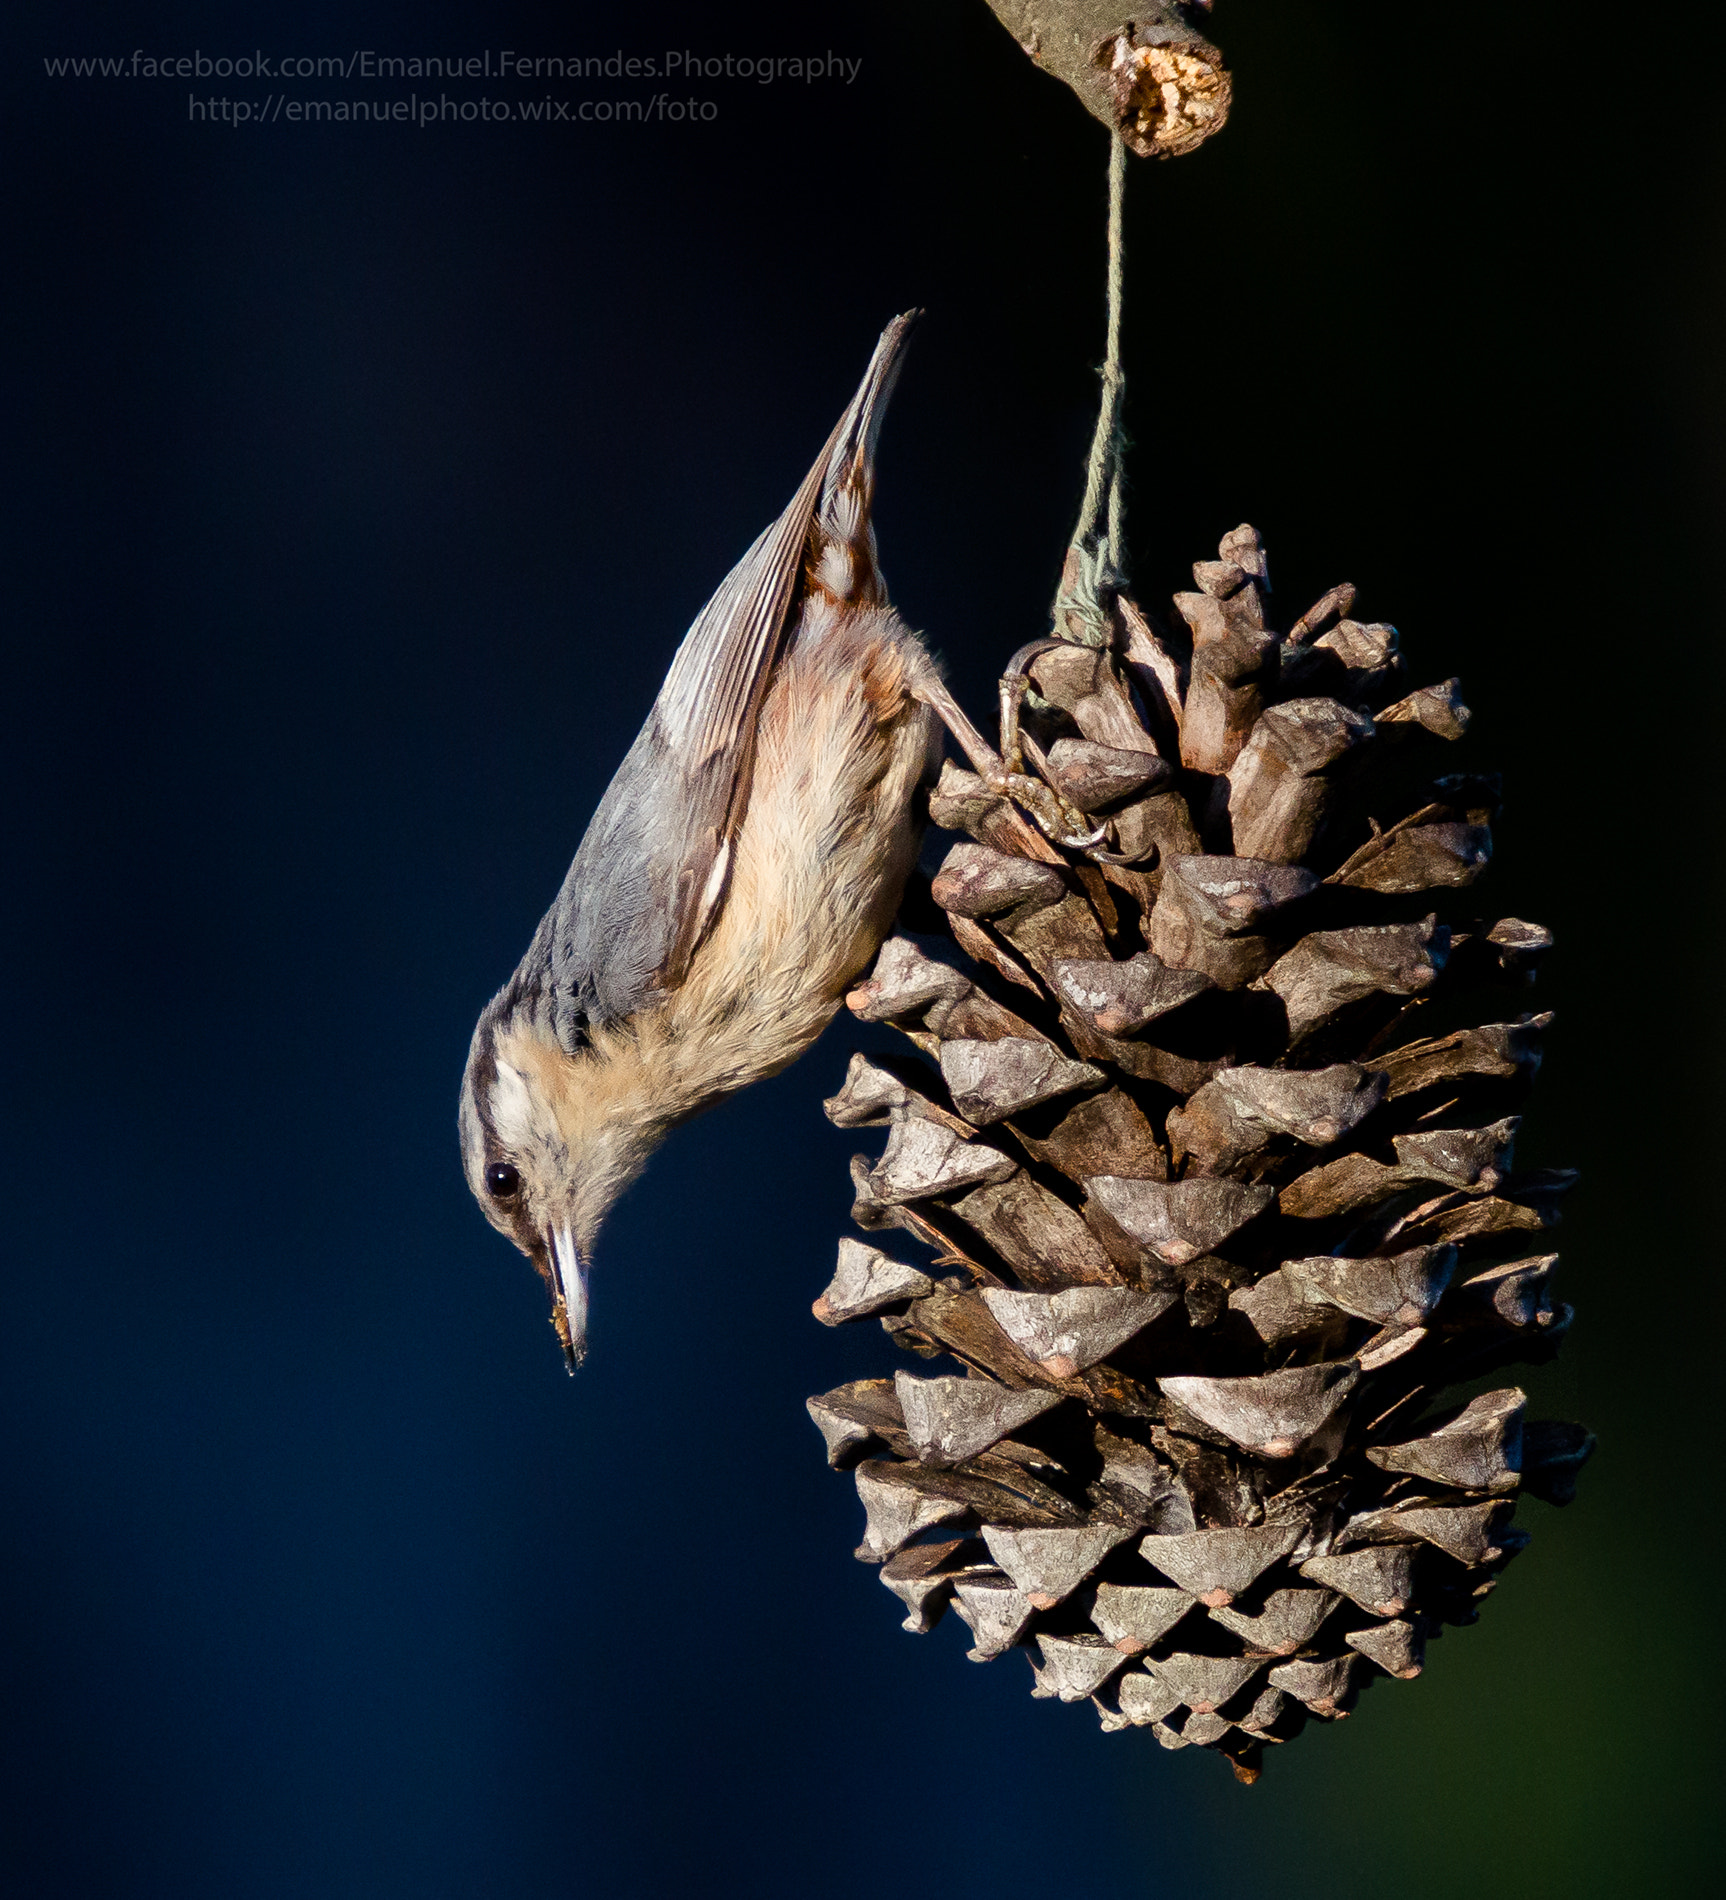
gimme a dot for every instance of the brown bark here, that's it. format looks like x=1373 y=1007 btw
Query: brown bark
x=1144 y=71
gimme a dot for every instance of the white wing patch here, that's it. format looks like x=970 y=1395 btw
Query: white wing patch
x=714 y=890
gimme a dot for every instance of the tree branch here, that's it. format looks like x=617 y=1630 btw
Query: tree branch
x=1152 y=77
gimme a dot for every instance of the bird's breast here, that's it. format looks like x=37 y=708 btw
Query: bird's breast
x=819 y=862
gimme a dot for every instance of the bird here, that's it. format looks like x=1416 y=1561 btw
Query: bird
x=742 y=868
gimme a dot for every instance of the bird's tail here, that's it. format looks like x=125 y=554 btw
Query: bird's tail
x=842 y=560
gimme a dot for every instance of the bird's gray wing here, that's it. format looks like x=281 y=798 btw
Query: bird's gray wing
x=650 y=874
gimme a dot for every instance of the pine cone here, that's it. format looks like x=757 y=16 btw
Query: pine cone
x=1209 y=1128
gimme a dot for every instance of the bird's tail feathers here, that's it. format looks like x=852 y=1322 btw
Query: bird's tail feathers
x=842 y=551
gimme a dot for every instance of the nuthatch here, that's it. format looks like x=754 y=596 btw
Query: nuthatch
x=744 y=864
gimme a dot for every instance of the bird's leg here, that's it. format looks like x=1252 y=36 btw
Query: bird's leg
x=1078 y=834
x=1038 y=799
x=1013 y=687
x=932 y=691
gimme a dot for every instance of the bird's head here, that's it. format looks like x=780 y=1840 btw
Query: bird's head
x=549 y=1141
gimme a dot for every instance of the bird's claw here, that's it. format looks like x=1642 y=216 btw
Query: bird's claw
x=1058 y=821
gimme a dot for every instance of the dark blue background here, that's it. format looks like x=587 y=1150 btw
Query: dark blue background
x=361 y=482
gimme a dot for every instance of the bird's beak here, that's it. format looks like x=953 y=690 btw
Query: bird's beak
x=569 y=1297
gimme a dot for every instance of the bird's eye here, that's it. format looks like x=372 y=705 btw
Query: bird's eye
x=501 y=1180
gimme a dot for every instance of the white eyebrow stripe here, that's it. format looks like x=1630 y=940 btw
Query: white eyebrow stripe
x=511 y=1102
